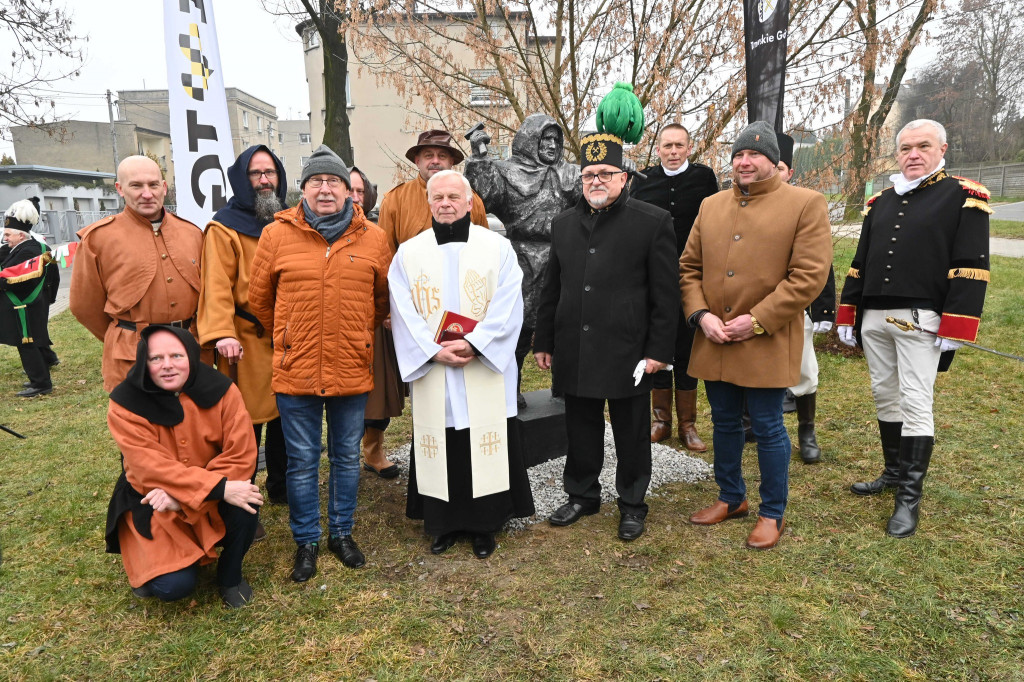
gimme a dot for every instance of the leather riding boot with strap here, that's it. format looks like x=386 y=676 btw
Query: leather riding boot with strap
x=686 y=411
x=890 y=433
x=810 y=453
x=661 y=414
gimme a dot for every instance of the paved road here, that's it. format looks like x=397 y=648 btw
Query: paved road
x=1013 y=211
x=998 y=246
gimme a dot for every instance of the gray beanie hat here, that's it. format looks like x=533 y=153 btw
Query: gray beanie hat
x=759 y=137
x=326 y=162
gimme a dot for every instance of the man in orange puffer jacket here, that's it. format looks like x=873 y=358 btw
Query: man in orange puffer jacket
x=319 y=280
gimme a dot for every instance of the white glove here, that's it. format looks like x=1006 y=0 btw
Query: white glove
x=641 y=369
x=846 y=335
x=823 y=327
x=947 y=344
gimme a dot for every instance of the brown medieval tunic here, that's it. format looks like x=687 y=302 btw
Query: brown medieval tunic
x=187 y=461
x=124 y=270
x=227 y=260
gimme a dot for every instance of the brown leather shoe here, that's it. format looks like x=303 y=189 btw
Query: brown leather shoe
x=661 y=414
x=766 y=533
x=718 y=512
x=686 y=411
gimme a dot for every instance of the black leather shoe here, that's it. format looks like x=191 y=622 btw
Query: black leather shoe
x=31 y=392
x=261 y=532
x=387 y=472
x=483 y=545
x=346 y=549
x=238 y=596
x=442 y=543
x=142 y=592
x=305 y=562
x=631 y=527
x=570 y=513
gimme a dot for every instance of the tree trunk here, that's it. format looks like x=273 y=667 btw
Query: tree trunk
x=335 y=51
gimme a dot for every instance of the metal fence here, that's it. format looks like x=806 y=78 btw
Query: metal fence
x=1006 y=180
x=60 y=226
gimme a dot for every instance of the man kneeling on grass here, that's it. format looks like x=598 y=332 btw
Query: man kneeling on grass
x=188 y=455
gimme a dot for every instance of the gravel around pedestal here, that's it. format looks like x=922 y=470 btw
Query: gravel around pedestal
x=668 y=465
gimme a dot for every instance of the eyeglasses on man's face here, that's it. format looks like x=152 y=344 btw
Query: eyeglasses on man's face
x=255 y=174
x=330 y=182
x=603 y=176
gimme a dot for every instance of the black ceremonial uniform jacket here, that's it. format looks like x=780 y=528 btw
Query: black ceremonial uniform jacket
x=610 y=297
x=926 y=249
x=679 y=194
x=823 y=308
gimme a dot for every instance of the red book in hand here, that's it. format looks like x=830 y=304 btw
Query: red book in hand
x=453 y=326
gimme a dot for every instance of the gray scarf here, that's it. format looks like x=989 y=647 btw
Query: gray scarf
x=330 y=226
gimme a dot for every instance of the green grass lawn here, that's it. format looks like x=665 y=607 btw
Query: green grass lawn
x=837 y=600
x=1006 y=228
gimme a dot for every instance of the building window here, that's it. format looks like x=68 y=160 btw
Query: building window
x=303 y=138
x=259 y=124
x=480 y=95
x=245 y=120
x=298 y=183
x=280 y=137
x=303 y=161
x=312 y=39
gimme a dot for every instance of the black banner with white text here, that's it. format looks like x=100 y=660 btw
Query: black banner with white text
x=766 y=34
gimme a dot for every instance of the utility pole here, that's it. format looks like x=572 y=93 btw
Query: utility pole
x=113 y=135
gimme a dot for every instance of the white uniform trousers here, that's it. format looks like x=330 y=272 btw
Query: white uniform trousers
x=808 y=362
x=902 y=367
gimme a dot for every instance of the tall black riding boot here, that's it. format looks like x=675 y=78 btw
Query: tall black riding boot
x=810 y=453
x=915 y=454
x=890 y=433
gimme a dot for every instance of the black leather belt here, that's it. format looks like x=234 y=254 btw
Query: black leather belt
x=249 y=317
x=132 y=326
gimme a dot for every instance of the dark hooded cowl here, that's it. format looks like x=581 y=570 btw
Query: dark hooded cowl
x=240 y=213
x=139 y=395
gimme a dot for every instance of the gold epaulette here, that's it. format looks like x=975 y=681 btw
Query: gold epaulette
x=975 y=189
x=871 y=200
x=970 y=273
x=980 y=204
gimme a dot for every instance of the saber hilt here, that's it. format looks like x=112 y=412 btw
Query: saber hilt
x=903 y=325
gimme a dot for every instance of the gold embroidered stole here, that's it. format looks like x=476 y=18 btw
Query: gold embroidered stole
x=479 y=266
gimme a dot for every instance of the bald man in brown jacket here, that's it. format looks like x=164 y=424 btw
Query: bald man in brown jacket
x=136 y=268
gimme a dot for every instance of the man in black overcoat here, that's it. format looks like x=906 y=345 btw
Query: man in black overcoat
x=606 y=322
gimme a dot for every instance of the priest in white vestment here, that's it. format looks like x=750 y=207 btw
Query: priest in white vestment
x=467 y=475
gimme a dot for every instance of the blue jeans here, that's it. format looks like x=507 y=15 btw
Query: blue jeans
x=302 y=422
x=773 y=446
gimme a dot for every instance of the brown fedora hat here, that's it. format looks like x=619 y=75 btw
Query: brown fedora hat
x=435 y=138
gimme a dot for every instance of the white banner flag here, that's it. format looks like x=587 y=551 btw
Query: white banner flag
x=200 y=132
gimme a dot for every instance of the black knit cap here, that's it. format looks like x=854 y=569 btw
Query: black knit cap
x=785 y=149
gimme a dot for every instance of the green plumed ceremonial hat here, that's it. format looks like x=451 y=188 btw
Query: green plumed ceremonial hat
x=621 y=114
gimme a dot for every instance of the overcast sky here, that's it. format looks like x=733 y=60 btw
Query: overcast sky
x=261 y=54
